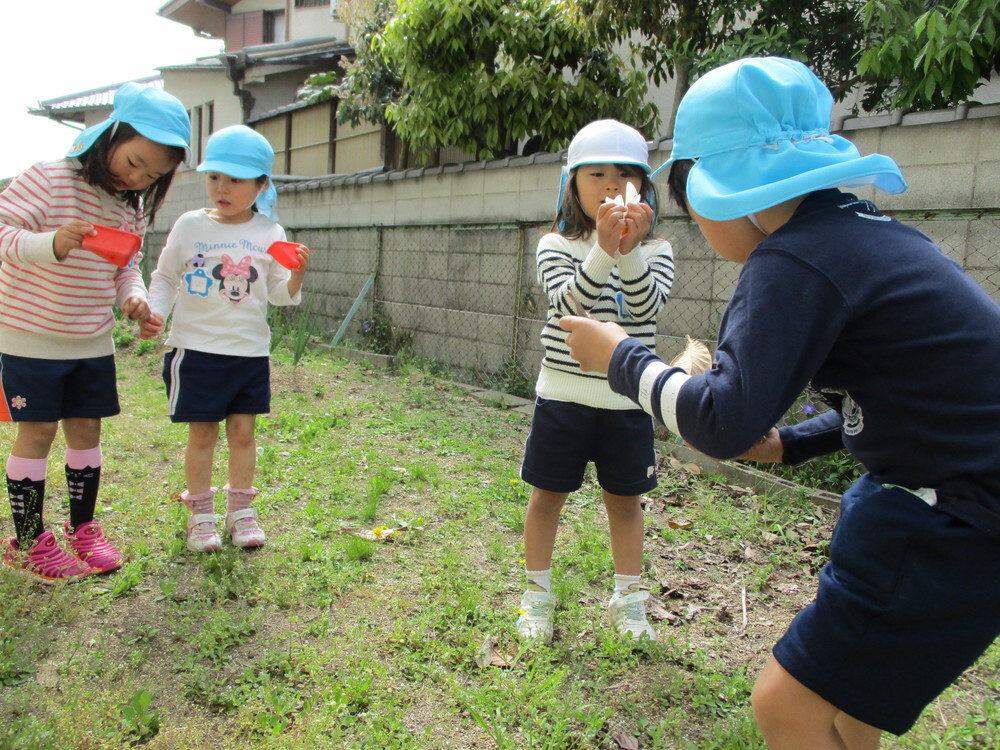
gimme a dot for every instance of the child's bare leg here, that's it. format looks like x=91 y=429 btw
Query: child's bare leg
x=241 y=519
x=541 y=521
x=626 y=531
x=34 y=439
x=240 y=429
x=199 y=456
x=202 y=534
x=82 y=433
x=856 y=734
x=791 y=716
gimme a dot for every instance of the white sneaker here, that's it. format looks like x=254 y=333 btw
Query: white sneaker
x=628 y=615
x=202 y=533
x=537 y=610
x=243 y=528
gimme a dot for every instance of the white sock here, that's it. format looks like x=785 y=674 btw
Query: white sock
x=624 y=583
x=542 y=579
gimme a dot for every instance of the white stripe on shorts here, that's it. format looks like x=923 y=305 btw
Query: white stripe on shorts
x=175 y=381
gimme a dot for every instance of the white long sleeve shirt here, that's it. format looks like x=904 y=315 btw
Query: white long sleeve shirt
x=60 y=309
x=218 y=280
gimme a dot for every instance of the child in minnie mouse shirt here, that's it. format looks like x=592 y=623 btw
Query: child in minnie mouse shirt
x=217 y=278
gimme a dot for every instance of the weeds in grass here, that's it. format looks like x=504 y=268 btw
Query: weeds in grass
x=325 y=639
x=138 y=718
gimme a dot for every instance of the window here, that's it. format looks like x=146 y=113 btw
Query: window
x=310 y=3
x=274 y=26
x=202 y=126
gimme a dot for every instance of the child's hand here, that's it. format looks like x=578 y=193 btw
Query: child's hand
x=610 y=223
x=638 y=220
x=151 y=326
x=591 y=342
x=70 y=236
x=295 y=282
x=768 y=449
x=136 y=308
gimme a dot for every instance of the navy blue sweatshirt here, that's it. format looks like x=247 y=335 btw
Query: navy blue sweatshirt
x=902 y=342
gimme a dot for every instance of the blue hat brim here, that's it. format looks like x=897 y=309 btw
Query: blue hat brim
x=740 y=182
x=240 y=171
x=88 y=137
x=165 y=137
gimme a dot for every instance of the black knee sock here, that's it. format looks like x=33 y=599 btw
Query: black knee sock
x=83 y=485
x=26 y=499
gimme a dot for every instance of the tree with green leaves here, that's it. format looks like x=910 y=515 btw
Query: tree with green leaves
x=913 y=54
x=483 y=75
x=678 y=40
x=364 y=86
x=922 y=55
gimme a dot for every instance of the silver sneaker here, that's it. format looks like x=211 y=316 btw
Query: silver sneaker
x=628 y=615
x=537 y=610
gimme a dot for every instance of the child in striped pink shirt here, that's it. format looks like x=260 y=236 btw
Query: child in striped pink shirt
x=56 y=316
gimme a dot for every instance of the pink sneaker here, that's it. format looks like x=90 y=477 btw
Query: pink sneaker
x=243 y=528
x=45 y=561
x=202 y=533
x=89 y=545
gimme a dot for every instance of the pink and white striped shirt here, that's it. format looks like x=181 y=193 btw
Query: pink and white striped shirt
x=60 y=309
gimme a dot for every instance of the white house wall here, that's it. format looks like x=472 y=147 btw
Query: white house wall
x=313 y=23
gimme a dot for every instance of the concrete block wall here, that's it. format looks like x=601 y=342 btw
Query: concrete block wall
x=453 y=246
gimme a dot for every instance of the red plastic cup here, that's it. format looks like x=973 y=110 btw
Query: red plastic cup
x=114 y=245
x=286 y=253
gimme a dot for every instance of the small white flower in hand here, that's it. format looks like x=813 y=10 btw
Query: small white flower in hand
x=631 y=196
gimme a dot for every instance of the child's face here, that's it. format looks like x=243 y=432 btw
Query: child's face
x=138 y=162
x=595 y=182
x=733 y=239
x=232 y=197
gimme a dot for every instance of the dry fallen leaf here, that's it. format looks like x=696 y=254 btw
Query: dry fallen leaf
x=489 y=655
x=625 y=741
x=379 y=533
x=658 y=612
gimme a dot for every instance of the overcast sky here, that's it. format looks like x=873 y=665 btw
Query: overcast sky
x=52 y=48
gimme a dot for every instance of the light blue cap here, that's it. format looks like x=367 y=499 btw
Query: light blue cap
x=759 y=130
x=242 y=152
x=153 y=113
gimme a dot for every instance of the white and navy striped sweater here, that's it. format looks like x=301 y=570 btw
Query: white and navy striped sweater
x=628 y=289
x=54 y=309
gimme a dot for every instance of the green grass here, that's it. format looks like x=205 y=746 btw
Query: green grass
x=328 y=639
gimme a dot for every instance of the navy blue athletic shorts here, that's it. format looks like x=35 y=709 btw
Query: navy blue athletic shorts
x=565 y=436
x=203 y=387
x=47 y=390
x=908 y=601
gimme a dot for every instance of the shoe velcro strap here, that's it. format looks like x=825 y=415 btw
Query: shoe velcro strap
x=237 y=515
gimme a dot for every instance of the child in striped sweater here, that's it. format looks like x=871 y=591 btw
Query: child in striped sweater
x=56 y=316
x=599 y=260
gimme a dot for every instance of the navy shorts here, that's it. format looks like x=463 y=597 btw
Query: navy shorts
x=204 y=387
x=47 y=390
x=565 y=436
x=908 y=601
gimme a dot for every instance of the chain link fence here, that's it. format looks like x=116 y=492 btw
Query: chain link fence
x=465 y=300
